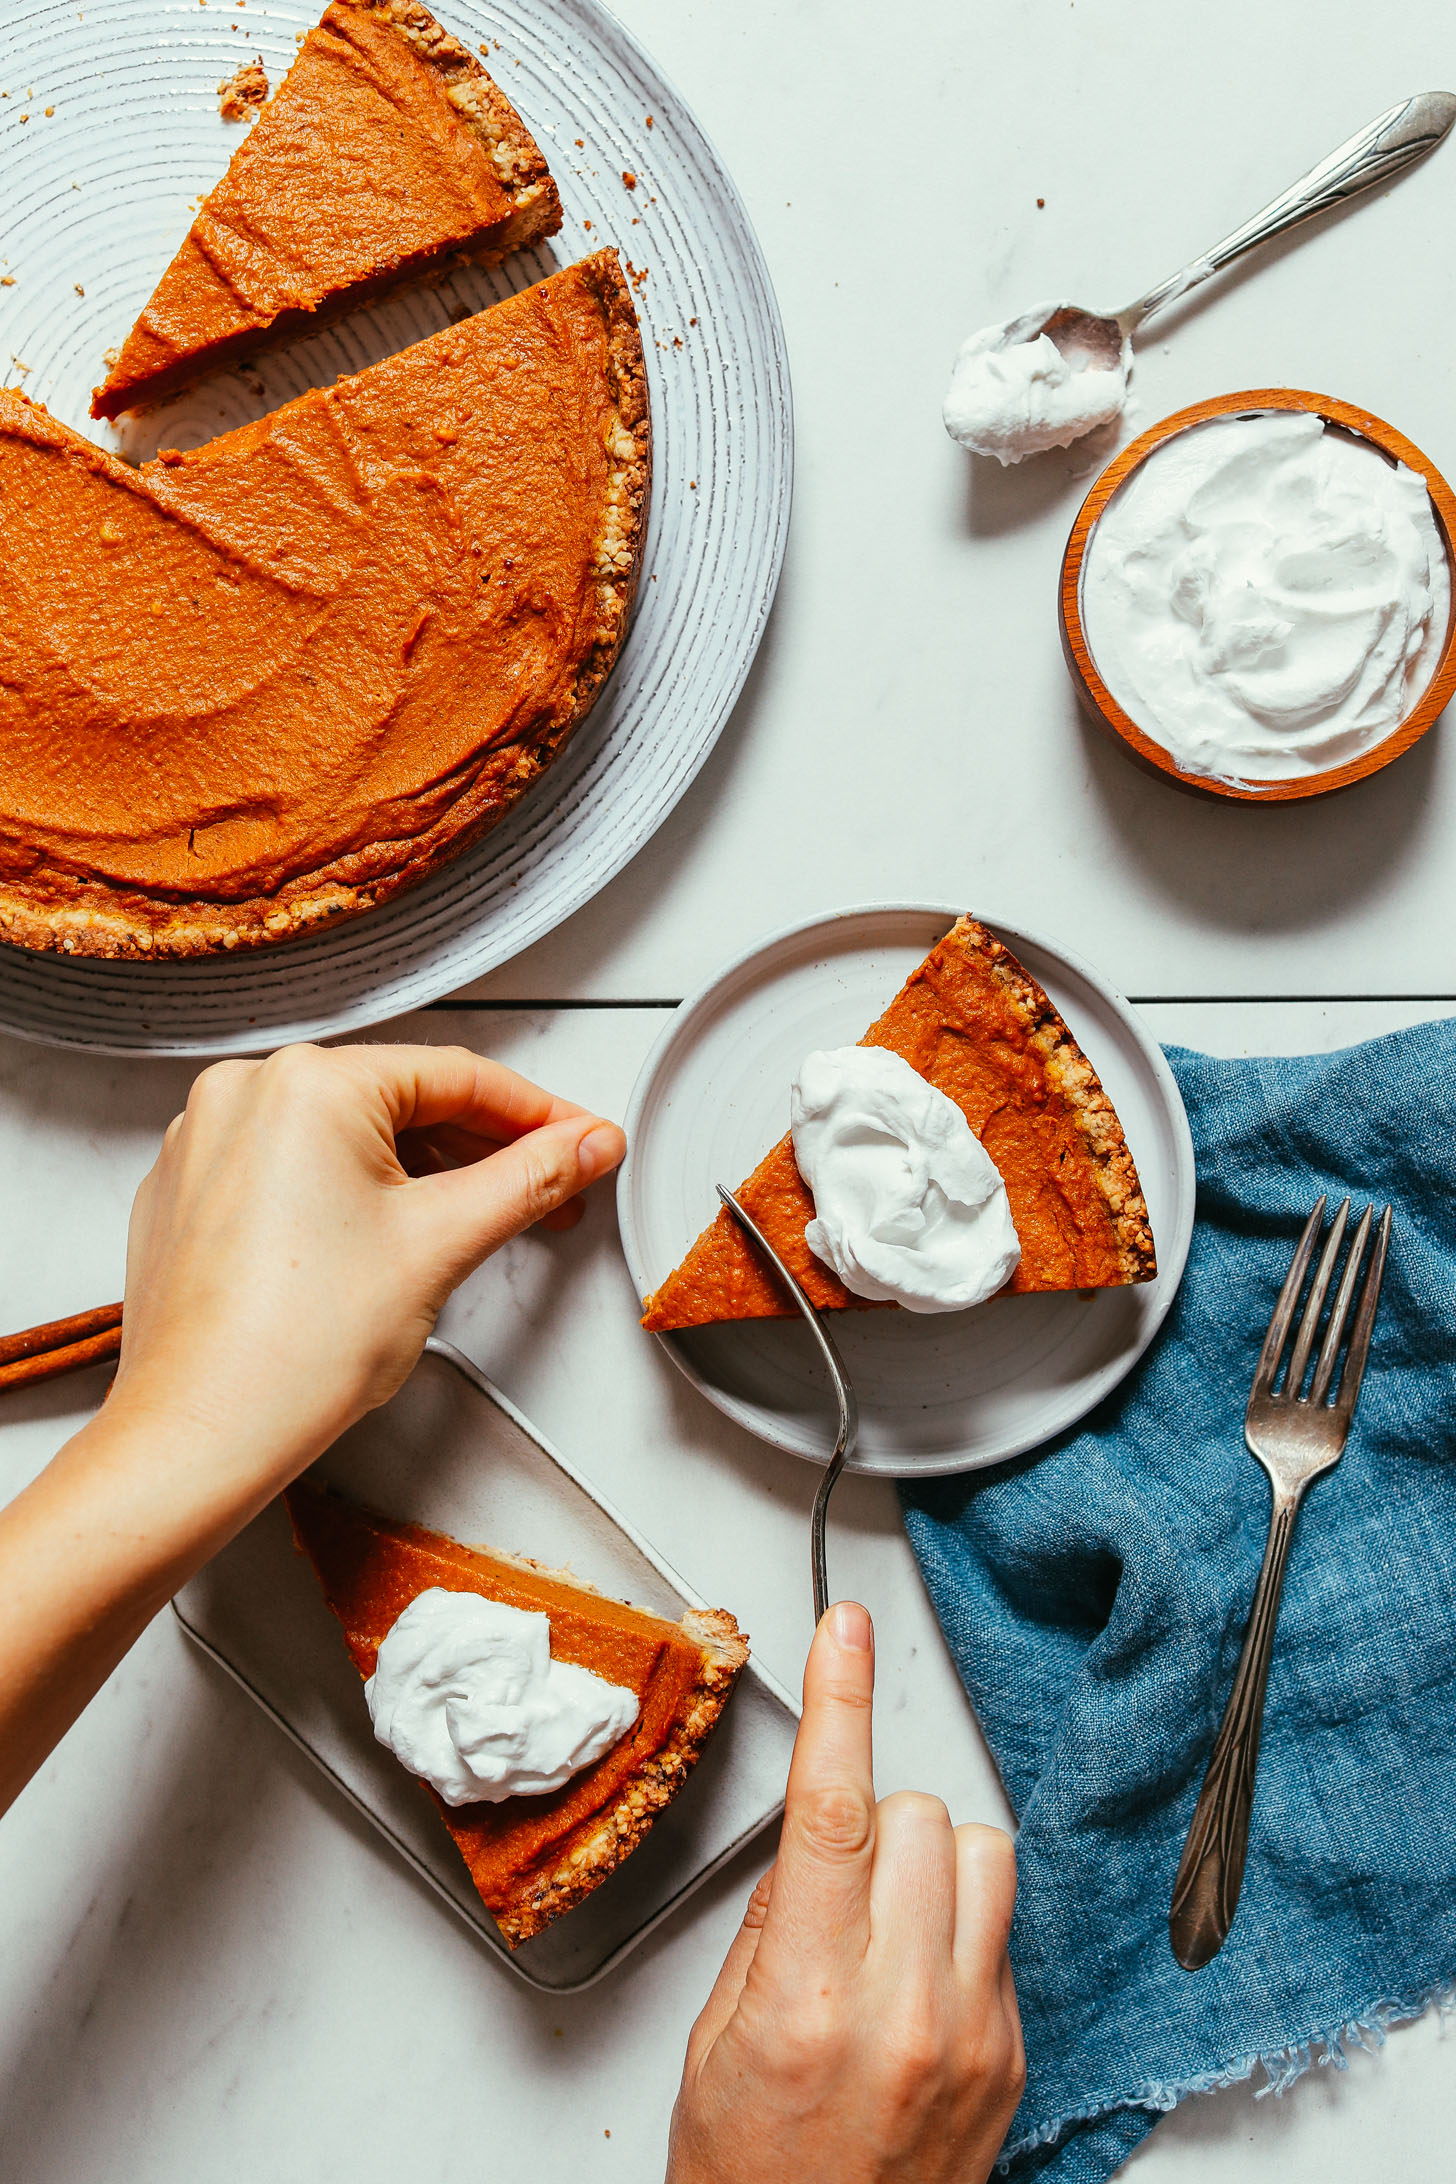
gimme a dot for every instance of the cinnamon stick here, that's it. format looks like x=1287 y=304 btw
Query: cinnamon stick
x=50 y=1364
x=59 y=1334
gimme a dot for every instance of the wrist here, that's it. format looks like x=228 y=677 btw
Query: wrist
x=170 y=1483
x=217 y=1443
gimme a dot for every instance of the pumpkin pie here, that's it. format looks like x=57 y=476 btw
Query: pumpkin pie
x=386 y=156
x=532 y=1858
x=973 y=1022
x=263 y=685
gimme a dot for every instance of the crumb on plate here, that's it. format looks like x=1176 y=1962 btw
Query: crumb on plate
x=239 y=98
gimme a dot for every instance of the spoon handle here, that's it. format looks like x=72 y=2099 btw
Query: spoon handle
x=1376 y=153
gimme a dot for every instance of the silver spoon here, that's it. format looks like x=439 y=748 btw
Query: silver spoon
x=844 y=1394
x=1376 y=153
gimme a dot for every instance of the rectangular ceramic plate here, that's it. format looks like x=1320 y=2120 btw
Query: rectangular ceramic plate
x=450 y=1452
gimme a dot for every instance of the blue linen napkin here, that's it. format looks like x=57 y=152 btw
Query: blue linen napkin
x=1094 y=1596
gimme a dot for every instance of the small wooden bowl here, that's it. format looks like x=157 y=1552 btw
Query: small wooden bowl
x=1103 y=706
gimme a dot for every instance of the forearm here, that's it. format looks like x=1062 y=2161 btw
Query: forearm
x=284 y=1266
x=123 y=1516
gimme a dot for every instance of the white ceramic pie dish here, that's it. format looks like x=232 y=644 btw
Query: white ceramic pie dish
x=100 y=192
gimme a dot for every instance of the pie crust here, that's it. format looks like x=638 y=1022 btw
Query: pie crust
x=976 y=1024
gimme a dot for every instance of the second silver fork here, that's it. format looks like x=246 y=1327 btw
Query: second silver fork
x=1295 y=1437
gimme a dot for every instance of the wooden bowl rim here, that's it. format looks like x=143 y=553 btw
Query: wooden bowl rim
x=1105 y=707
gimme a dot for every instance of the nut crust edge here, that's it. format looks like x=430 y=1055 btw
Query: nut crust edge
x=602 y=1842
x=1073 y=1076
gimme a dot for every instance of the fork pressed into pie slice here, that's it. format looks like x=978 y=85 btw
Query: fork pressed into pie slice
x=533 y=1858
x=973 y=1022
x=387 y=155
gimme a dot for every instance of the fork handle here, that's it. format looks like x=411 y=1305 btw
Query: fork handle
x=1211 y=1870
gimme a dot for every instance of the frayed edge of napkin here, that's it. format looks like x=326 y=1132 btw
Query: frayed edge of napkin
x=1283 y=2066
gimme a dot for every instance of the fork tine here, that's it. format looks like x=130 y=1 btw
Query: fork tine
x=1309 y=1324
x=1359 y=1350
x=1283 y=1313
x=1340 y=1311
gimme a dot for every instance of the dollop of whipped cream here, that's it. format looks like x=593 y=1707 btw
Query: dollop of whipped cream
x=908 y=1204
x=1012 y=393
x=465 y=1693
x=1265 y=597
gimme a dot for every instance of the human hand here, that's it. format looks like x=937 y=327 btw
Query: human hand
x=304 y=1223
x=864 y=2028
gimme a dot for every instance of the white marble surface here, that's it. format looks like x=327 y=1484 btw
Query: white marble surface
x=910 y=732
x=210 y=1968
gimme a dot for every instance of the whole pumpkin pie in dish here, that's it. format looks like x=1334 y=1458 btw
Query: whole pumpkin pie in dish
x=534 y=1857
x=268 y=683
x=386 y=156
x=973 y=1022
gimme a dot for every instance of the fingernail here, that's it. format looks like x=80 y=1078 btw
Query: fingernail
x=599 y=1150
x=851 y=1626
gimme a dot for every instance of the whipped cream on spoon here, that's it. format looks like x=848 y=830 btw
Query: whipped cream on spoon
x=1073 y=375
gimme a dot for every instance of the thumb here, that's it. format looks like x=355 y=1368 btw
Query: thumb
x=728 y=1986
x=482 y=1206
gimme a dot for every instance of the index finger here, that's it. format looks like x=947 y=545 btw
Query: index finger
x=424 y=1087
x=820 y=1910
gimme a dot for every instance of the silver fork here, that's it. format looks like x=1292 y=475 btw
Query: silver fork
x=843 y=1394
x=1295 y=1437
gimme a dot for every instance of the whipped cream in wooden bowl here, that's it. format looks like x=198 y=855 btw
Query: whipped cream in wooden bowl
x=1267 y=596
x=1256 y=595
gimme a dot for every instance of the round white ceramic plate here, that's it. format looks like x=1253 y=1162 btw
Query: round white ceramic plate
x=110 y=134
x=941 y=1393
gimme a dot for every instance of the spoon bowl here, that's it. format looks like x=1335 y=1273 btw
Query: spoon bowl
x=1090 y=341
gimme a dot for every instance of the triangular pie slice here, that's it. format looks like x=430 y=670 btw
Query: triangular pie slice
x=979 y=1027
x=533 y=1858
x=270 y=682
x=387 y=155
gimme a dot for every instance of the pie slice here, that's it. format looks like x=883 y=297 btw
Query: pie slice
x=262 y=685
x=387 y=155
x=532 y=1858
x=972 y=1021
